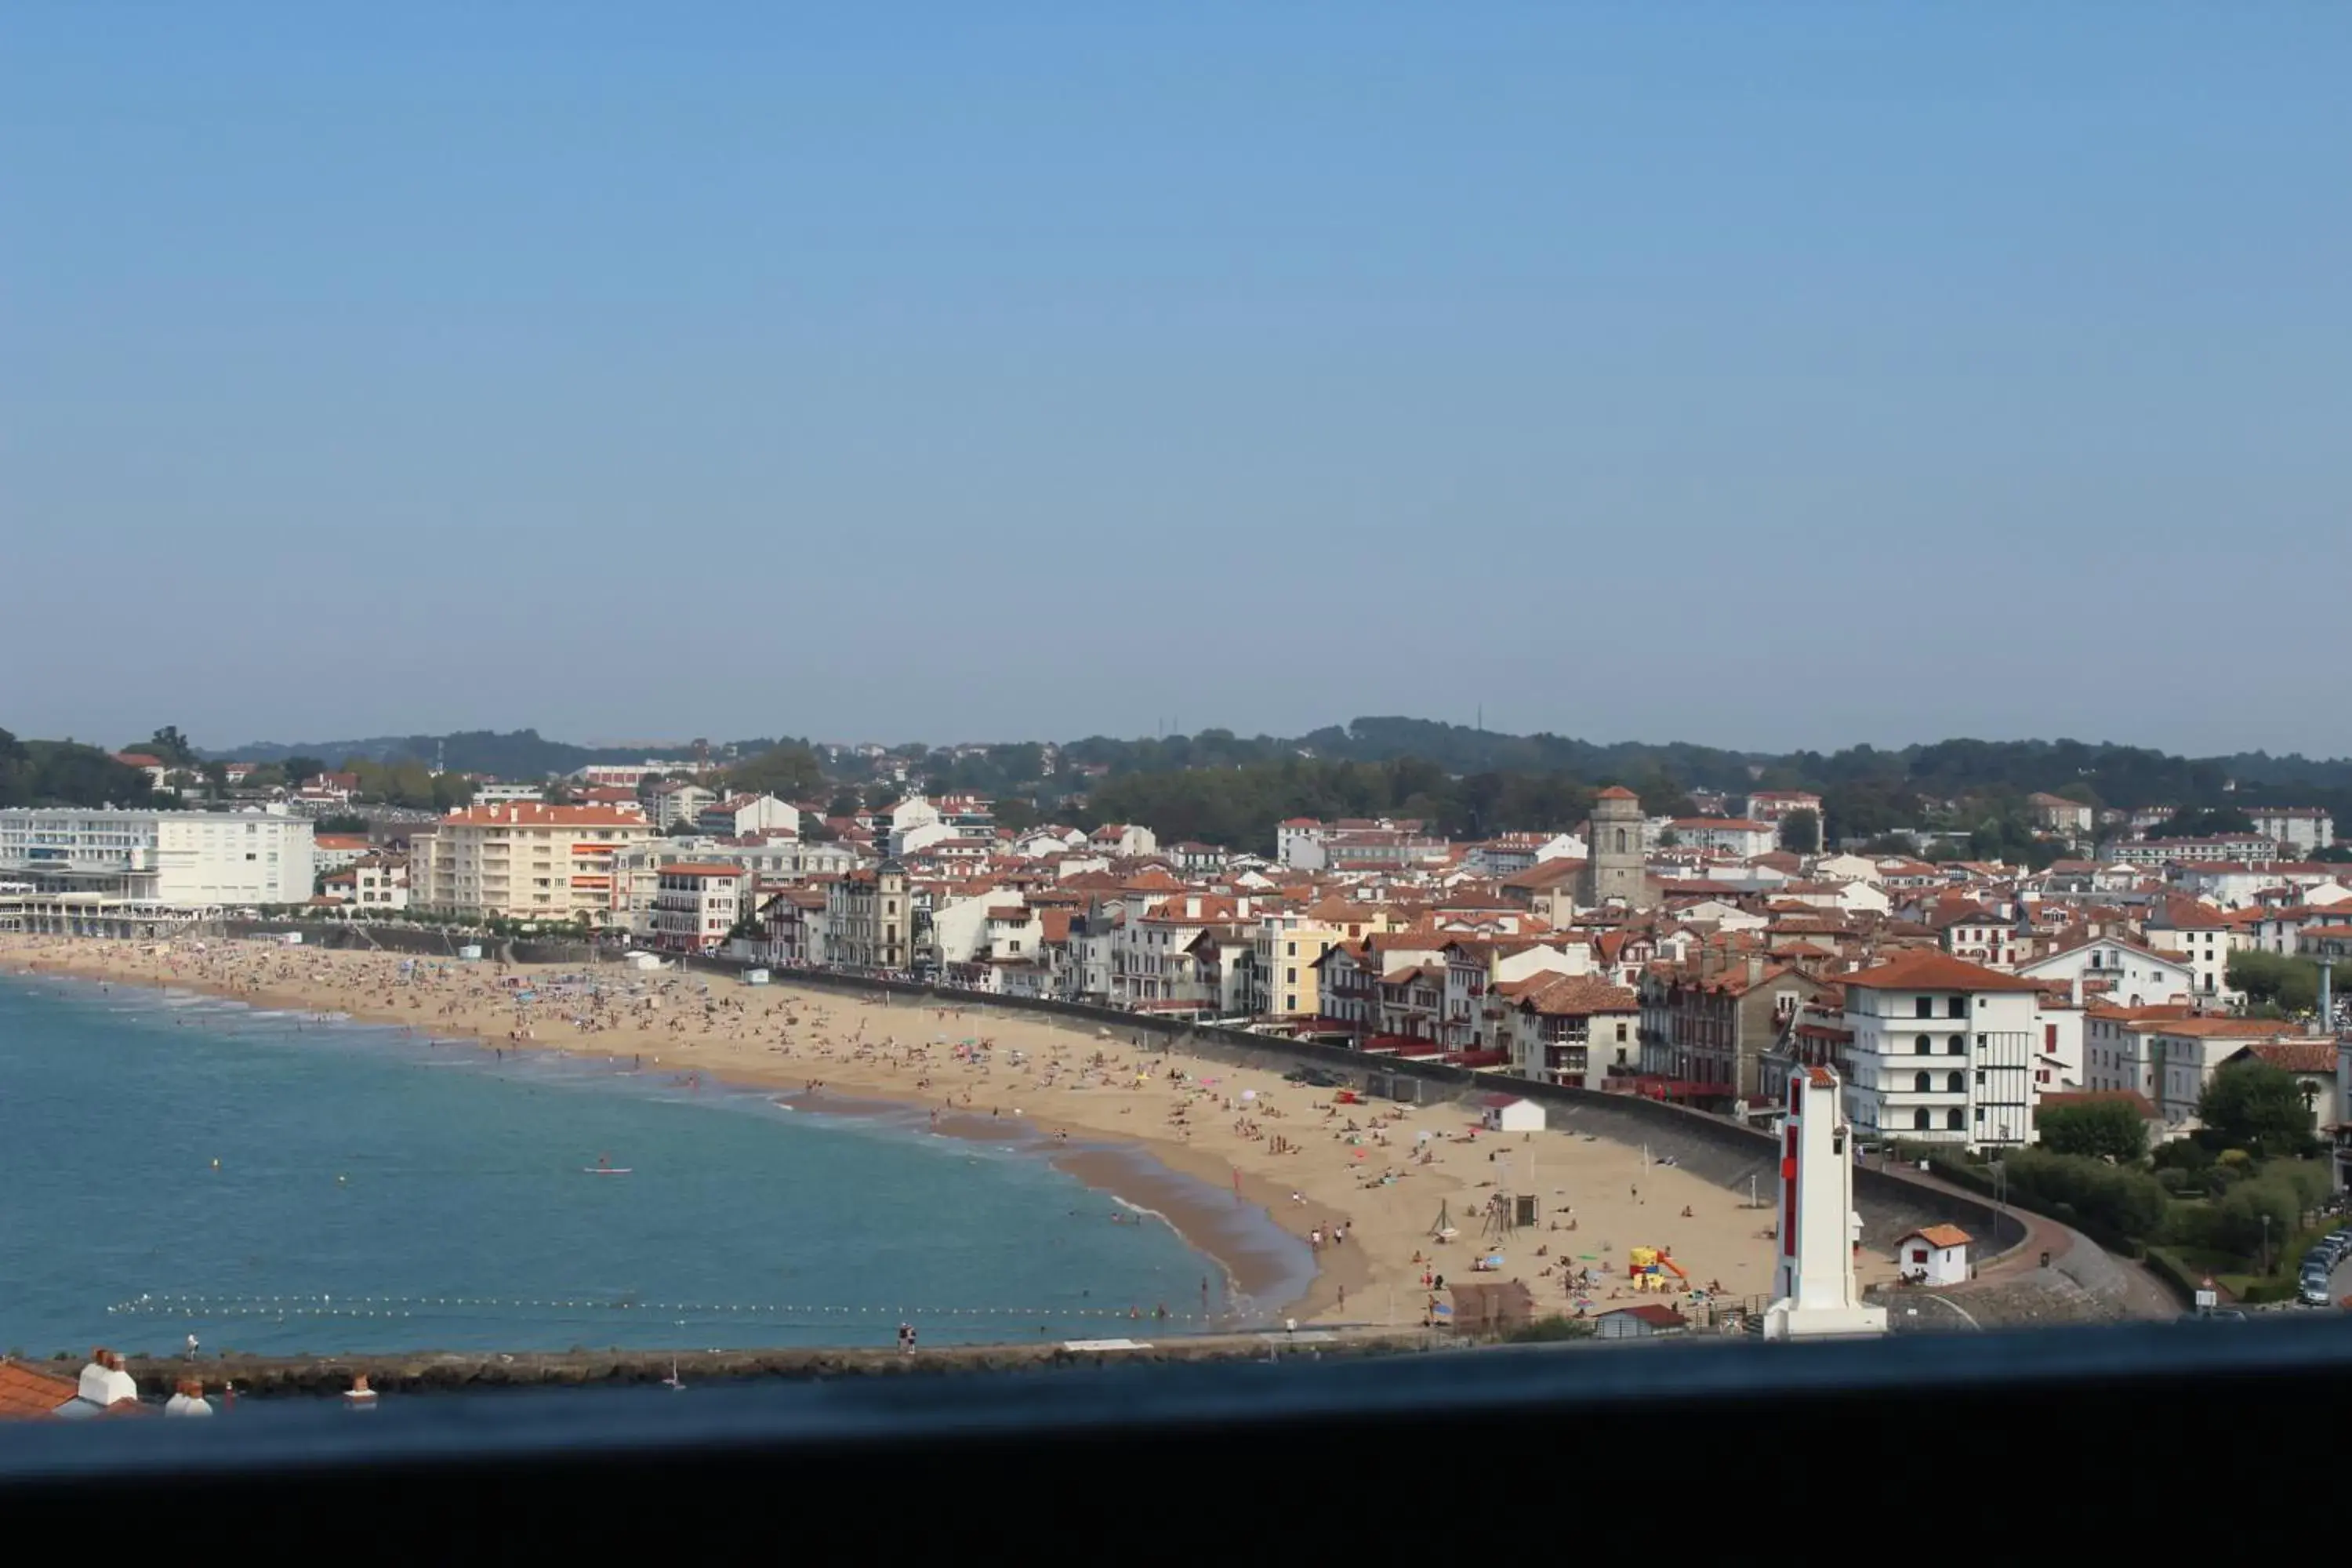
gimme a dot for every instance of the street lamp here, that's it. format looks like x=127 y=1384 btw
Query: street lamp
x=2266 y=1244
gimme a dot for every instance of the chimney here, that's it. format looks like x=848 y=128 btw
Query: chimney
x=1755 y=968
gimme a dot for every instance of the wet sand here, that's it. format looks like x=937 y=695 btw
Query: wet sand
x=1367 y=1185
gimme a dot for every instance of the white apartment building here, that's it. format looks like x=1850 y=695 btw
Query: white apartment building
x=507 y=794
x=2110 y=969
x=2204 y=941
x=2303 y=829
x=633 y=776
x=2169 y=1060
x=379 y=882
x=696 y=905
x=1733 y=834
x=739 y=816
x=2232 y=847
x=678 y=801
x=102 y=872
x=525 y=861
x=1942 y=1051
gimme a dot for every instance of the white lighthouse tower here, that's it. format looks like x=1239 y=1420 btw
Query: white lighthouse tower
x=1812 y=1277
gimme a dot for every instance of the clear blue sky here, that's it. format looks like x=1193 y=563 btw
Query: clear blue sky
x=1761 y=374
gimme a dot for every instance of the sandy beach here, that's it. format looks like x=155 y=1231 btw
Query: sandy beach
x=1365 y=1184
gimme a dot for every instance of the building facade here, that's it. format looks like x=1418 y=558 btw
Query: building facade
x=526 y=861
x=1941 y=1051
x=132 y=872
x=697 y=905
x=869 y=920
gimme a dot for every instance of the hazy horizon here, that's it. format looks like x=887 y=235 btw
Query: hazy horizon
x=1776 y=377
x=725 y=735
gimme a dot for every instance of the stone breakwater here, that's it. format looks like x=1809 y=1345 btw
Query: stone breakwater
x=444 y=1373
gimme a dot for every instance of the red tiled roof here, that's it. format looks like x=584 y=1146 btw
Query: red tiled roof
x=28 y=1394
x=2297 y=1056
x=1941 y=1236
x=1924 y=971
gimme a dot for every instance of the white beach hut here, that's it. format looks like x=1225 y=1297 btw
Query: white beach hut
x=1937 y=1255
x=1511 y=1113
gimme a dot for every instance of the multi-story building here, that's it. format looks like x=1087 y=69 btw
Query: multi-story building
x=678 y=800
x=739 y=816
x=1771 y=805
x=869 y=920
x=1733 y=835
x=2299 y=829
x=2116 y=970
x=696 y=905
x=1710 y=1028
x=2252 y=848
x=526 y=861
x=379 y=882
x=2056 y=814
x=102 y=872
x=333 y=851
x=794 y=919
x=1284 y=980
x=1573 y=1029
x=2203 y=939
x=1942 y=1051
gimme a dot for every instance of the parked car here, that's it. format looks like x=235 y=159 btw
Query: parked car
x=2313 y=1292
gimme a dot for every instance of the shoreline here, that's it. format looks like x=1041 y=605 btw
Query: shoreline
x=1137 y=1176
x=1392 y=1199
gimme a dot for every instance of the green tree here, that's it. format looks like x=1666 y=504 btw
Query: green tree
x=168 y=746
x=1801 y=832
x=2193 y=823
x=2254 y=1217
x=2255 y=1107
x=2275 y=982
x=2099 y=1128
x=787 y=772
x=300 y=769
x=1015 y=813
x=216 y=776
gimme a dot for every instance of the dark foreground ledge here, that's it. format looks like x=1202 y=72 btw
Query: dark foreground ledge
x=1706 y=1443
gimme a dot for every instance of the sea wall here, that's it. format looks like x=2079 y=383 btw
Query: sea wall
x=442 y=1372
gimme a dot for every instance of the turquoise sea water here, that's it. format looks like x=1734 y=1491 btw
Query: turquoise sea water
x=378 y=1192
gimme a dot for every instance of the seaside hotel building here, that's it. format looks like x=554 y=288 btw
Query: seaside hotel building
x=526 y=861
x=85 y=871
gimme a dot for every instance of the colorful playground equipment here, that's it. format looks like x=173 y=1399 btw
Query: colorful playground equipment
x=1654 y=1268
